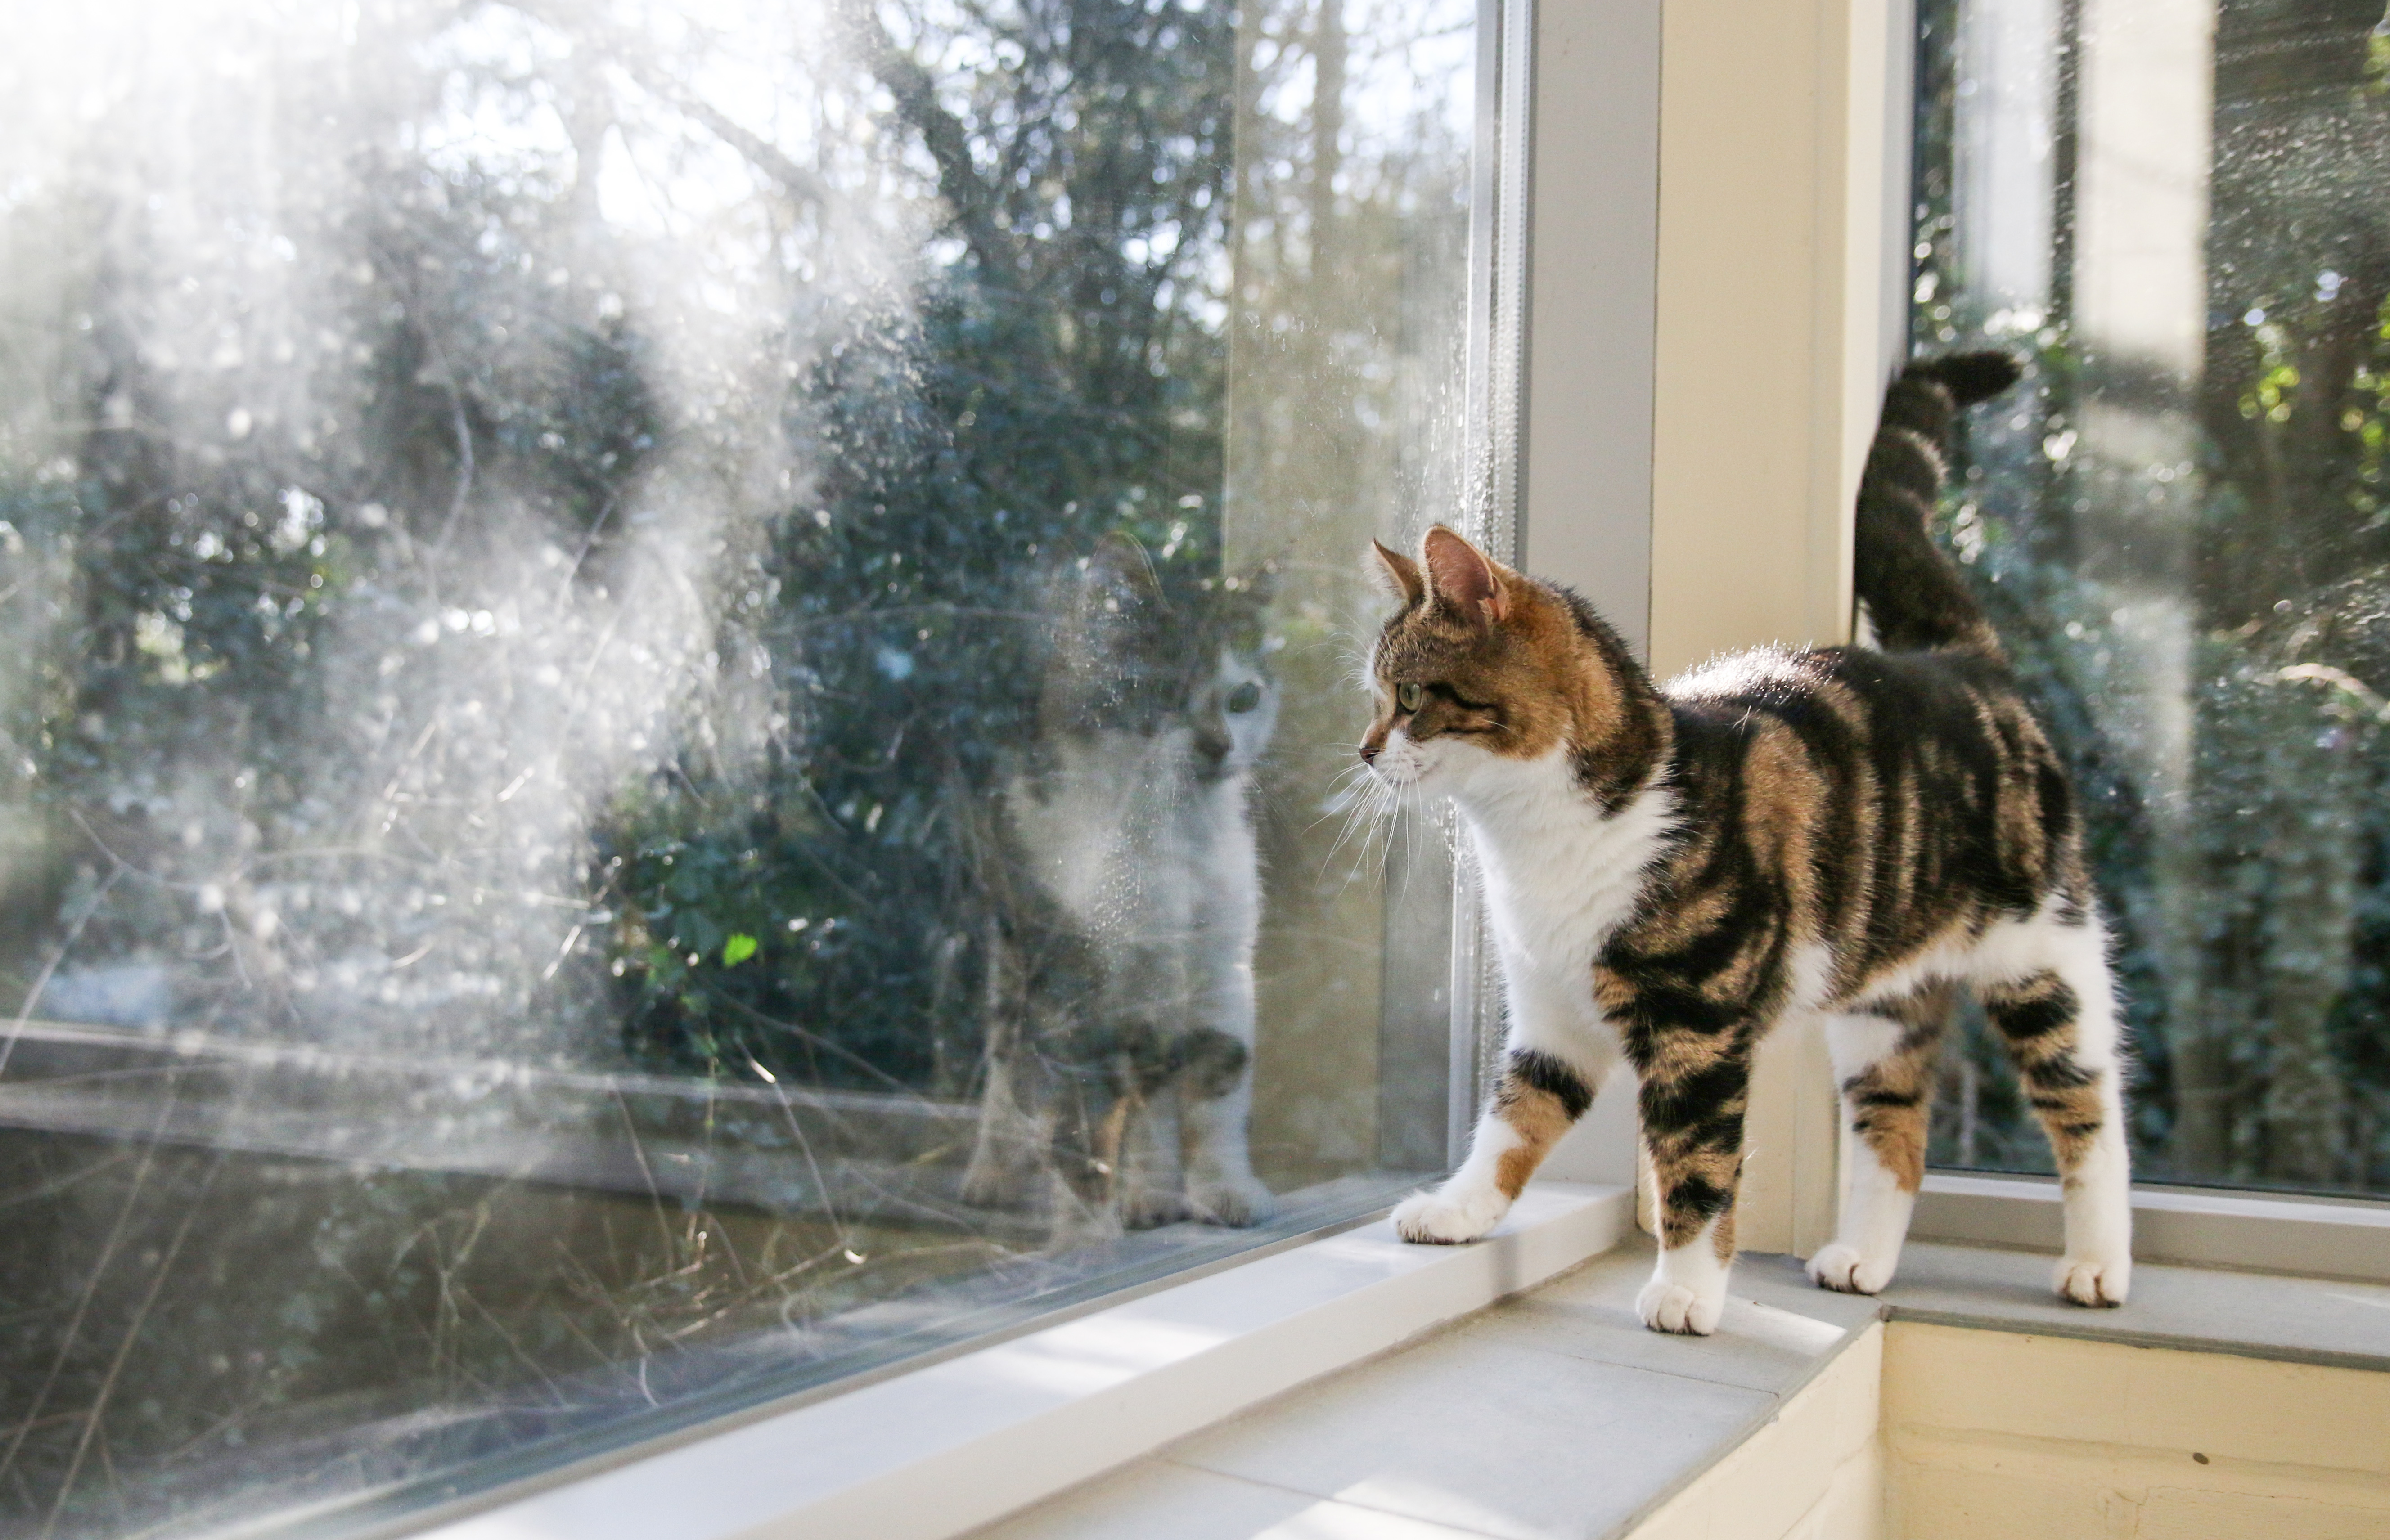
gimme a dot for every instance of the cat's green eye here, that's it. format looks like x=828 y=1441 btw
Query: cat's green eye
x=1244 y=698
x=1410 y=698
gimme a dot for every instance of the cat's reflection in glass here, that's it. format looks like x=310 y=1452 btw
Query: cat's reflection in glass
x=1123 y=888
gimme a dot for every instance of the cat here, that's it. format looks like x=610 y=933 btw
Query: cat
x=1125 y=880
x=1672 y=869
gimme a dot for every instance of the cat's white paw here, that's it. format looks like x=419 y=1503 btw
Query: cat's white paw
x=1669 y=1305
x=1446 y=1218
x=1235 y=1201
x=2094 y=1281
x=1846 y=1270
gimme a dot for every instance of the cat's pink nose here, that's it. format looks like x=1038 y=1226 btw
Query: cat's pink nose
x=1369 y=753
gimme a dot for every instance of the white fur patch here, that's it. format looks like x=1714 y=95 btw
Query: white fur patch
x=1559 y=879
x=1468 y=1204
x=1866 y=1250
x=1686 y=1292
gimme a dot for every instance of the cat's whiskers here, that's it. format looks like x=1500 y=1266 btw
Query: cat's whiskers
x=1372 y=812
x=1343 y=790
x=1359 y=815
x=1388 y=808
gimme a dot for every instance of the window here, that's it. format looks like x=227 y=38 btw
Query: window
x=675 y=679
x=2174 y=209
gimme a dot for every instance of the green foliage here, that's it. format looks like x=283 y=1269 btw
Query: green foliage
x=259 y=692
x=1061 y=380
x=2208 y=636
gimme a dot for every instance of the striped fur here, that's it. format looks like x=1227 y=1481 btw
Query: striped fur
x=1851 y=833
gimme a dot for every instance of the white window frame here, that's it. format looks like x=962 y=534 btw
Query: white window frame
x=1782 y=177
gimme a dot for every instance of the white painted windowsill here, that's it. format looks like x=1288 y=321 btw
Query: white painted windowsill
x=951 y=1446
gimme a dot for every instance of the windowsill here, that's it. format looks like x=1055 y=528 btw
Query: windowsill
x=2293 y=1319
x=1147 y=1418
x=1556 y=1415
x=963 y=1441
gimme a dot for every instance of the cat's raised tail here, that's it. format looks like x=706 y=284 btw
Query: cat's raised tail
x=1914 y=594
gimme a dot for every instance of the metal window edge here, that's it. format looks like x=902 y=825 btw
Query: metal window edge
x=961 y=1442
x=2195 y=1226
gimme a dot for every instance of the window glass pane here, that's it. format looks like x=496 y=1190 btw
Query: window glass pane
x=673 y=687
x=2176 y=208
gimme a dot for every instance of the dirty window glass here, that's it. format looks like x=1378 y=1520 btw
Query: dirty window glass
x=673 y=689
x=2176 y=208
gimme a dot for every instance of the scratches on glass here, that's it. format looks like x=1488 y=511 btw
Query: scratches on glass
x=667 y=686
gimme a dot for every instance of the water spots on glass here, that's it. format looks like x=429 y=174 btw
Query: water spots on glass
x=540 y=570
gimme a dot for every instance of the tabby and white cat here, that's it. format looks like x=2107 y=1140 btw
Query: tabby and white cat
x=1126 y=882
x=1671 y=870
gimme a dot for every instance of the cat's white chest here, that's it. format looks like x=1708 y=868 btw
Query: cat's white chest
x=1558 y=877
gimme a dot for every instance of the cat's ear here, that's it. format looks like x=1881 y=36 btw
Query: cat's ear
x=1465 y=578
x=1401 y=572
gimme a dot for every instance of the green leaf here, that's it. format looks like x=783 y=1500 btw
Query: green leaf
x=737 y=949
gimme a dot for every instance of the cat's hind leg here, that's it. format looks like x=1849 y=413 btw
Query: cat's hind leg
x=2045 y=985
x=1884 y=1060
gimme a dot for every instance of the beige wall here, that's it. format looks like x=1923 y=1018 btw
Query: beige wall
x=1773 y=161
x=1998 y=1436
x=1934 y=1432
x=1779 y=195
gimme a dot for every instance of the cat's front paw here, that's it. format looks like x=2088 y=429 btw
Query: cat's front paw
x=1234 y=1202
x=2095 y=1281
x=1446 y=1218
x=1847 y=1270
x=1669 y=1305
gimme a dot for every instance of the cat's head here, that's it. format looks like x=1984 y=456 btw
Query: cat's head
x=1484 y=668
x=1139 y=658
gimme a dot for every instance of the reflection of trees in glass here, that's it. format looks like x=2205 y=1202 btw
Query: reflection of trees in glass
x=1060 y=376
x=506 y=448
x=1347 y=329
x=2254 y=912
x=496 y=469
